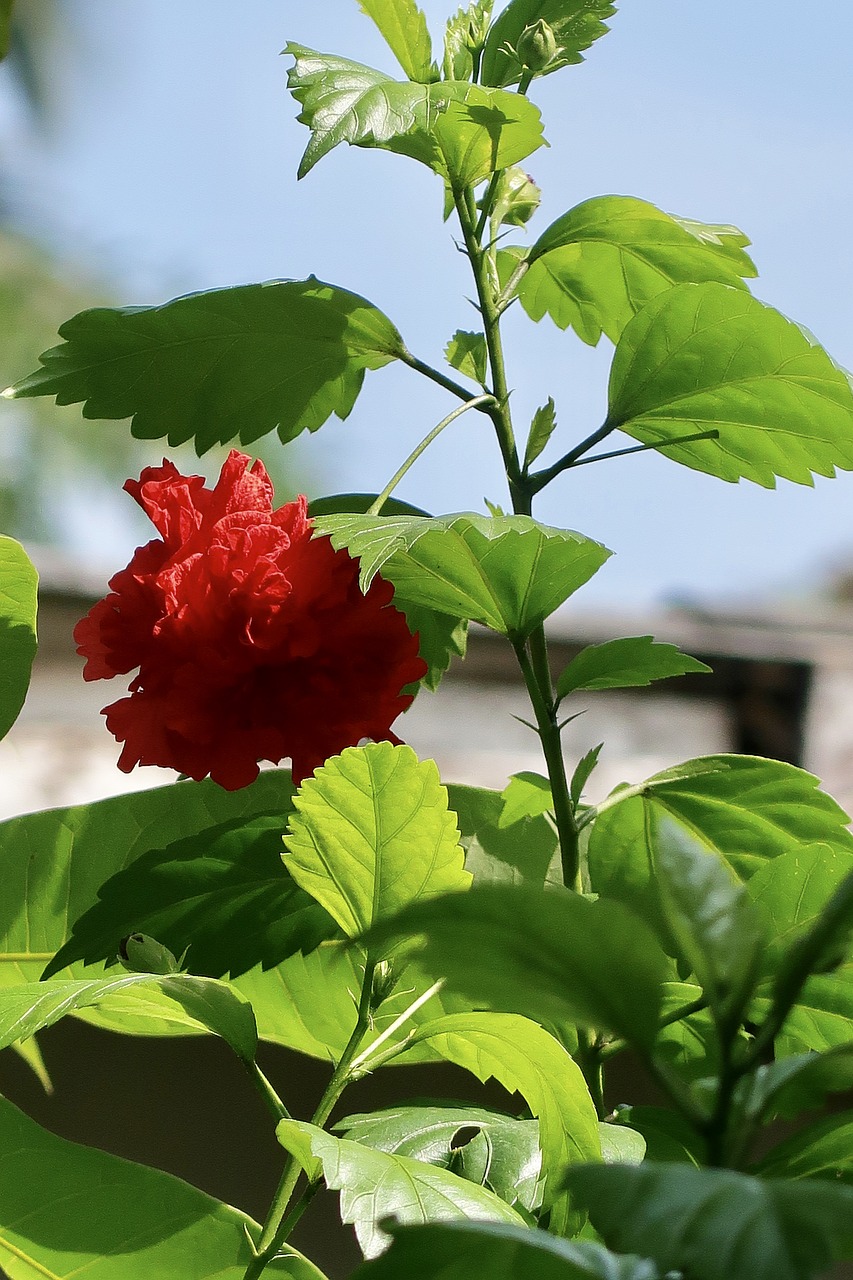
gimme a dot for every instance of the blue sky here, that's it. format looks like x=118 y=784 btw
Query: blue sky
x=171 y=167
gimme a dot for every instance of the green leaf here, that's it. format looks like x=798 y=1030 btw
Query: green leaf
x=375 y=1185
x=441 y=637
x=690 y=1045
x=539 y=954
x=713 y=1224
x=583 y=772
x=525 y=1059
x=456 y=1137
x=603 y=261
x=576 y=25
x=372 y=832
x=526 y=795
x=461 y=131
x=223 y=893
x=496 y=854
x=5 y=26
x=214 y=1005
x=18 y=608
x=707 y=357
x=404 y=27
x=823 y=1150
x=709 y=912
x=621 y=1145
x=667 y=1135
x=30 y=1052
x=791 y=891
x=487 y=1251
x=67 y=1209
x=467 y=352
x=800 y=1082
x=344 y=101
x=224 y=365
x=541 y=429
x=507 y=572
x=822 y=1018
x=768 y=807
x=625 y=664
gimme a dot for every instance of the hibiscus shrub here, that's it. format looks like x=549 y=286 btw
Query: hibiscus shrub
x=701 y=918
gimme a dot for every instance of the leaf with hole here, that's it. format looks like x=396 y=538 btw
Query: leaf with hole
x=603 y=261
x=507 y=572
x=708 y=357
x=229 y=364
x=375 y=1185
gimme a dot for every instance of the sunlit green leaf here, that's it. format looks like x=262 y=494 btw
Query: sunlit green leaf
x=507 y=572
x=690 y=1045
x=476 y=132
x=404 y=27
x=487 y=1251
x=223 y=893
x=621 y=1145
x=708 y=357
x=541 y=429
x=525 y=1059
x=576 y=24
x=211 y=1004
x=18 y=607
x=219 y=366
x=526 y=795
x=624 y=664
x=539 y=954
x=67 y=1209
x=375 y=1185
x=477 y=1144
x=603 y=261
x=583 y=772
x=712 y=1224
x=467 y=352
x=372 y=832
x=791 y=891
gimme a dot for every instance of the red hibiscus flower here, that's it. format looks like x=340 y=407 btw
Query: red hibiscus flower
x=252 y=639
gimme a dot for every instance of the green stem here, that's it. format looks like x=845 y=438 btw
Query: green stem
x=273 y=1102
x=435 y=375
x=277 y=1226
x=365 y=1061
x=474 y=403
x=549 y=734
x=541 y=478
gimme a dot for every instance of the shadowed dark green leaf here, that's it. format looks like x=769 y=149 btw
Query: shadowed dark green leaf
x=796 y=1082
x=18 y=608
x=539 y=954
x=667 y=1135
x=769 y=808
x=713 y=1224
x=822 y=1150
x=404 y=27
x=5 y=26
x=487 y=1251
x=211 y=1004
x=525 y=1059
x=603 y=261
x=223 y=893
x=625 y=664
x=576 y=25
x=507 y=572
x=709 y=912
x=375 y=1185
x=372 y=832
x=229 y=364
x=496 y=854
x=477 y=1144
x=708 y=357
x=67 y=1210
x=360 y=504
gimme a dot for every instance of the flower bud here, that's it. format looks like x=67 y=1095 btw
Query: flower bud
x=516 y=198
x=384 y=979
x=141 y=954
x=536 y=46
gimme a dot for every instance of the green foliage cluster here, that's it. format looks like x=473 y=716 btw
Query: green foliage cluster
x=702 y=918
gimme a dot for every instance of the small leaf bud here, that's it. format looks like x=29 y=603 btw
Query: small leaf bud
x=536 y=46
x=384 y=979
x=142 y=954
